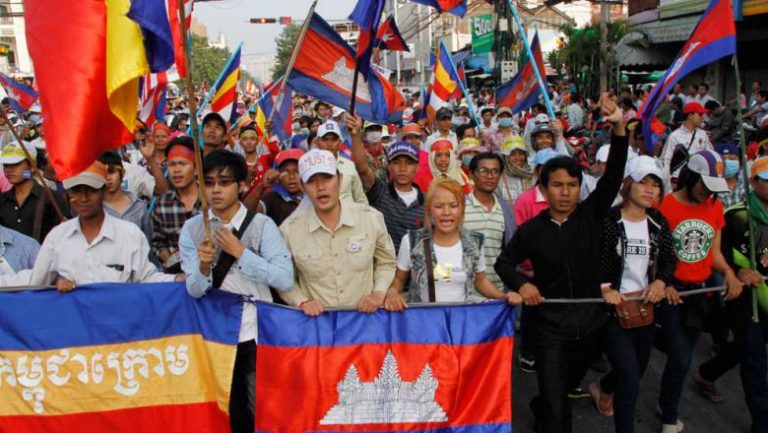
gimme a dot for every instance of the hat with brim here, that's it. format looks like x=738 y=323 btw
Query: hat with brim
x=411 y=129
x=443 y=114
x=329 y=127
x=215 y=117
x=317 y=161
x=94 y=176
x=643 y=166
x=13 y=153
x=402 y=148
x=709 y=165
x=504 y=110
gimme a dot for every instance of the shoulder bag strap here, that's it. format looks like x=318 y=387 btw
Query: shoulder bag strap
x=430 y=268
x=225 y=262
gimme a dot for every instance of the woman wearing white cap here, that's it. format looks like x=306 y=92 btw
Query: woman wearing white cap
x=637 y=260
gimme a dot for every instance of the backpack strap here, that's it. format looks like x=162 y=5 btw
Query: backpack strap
x=225 y=262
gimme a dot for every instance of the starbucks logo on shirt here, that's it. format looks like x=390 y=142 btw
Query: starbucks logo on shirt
x=692 y=240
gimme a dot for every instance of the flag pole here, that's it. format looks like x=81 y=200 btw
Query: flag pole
x=33 y=165
x=745 y=176
x=532 y=59
x=294 y=54
x=470 y=104
x=193 y=122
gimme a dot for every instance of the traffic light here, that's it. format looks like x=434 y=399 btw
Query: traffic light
x=286 y=20
x=263 y=21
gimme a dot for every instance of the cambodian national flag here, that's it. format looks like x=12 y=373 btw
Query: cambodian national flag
x=427 y=369
x=152 y=18
x=366 y=15
x=20 y=97
x=281 y=120
x=455 y=7
x=522 y=91
x=178 y=42
x=324 y=69
x=713 y=38
x=389 y=37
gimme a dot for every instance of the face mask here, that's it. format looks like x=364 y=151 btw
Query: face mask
x=296 y=126
x=458 y=120
x=731 y=168
x=373 y=137
x=466 y=159
x=505 y=122
x=304 y=132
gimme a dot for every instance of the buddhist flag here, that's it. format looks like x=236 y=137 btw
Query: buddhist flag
x=88 y=58
x=138 y=358
x=385 y=372
x=445 y=81
x=224 y=91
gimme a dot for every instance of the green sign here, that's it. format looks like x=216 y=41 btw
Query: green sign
x=482 y=33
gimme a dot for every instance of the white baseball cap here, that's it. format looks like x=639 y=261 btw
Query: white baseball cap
x=329 y=127
x=317 y=161
x=12 y=153
x=602 y=153
x=336 y=112
x=710 y=166
x=642 y=166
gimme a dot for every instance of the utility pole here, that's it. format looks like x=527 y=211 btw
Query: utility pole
x=605 y=17
x=395 y=7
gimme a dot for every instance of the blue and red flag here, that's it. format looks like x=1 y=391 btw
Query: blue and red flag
x=433 y=369
x=455 y=7
x=367 y=15
x=94 y=362
x=389 y=37
x=152 y=92
x=281 y=120
x=178 y=42
x=152 y=18
x=522 y=91
x=713 y=38
x=324 y=69
x=20 y=97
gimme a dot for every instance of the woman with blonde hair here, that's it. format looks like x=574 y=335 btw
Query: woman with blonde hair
x=445 y=262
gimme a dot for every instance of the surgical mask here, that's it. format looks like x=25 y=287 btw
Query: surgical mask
x=304 y=132
x=466 y=159
x=505 y=122
x=296 y=126
x=373 y=137
x=459 y=120
x=731 y=168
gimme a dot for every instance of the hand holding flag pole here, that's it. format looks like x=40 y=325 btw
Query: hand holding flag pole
x=33 y=165
x=294 y=54
x=193 y=122
x=539 y=79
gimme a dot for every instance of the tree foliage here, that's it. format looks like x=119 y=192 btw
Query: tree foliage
x=285 y=43
x=207 y=62
x=580 y=54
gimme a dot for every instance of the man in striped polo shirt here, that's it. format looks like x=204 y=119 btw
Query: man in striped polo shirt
x=485 y=214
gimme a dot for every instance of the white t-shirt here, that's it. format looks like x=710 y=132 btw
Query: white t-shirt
x=635 y=275
x=450 y=278
x=408 y=197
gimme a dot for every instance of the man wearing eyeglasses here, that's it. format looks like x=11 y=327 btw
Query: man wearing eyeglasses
x=247 y=257
x=486 y=214
x=121 y=203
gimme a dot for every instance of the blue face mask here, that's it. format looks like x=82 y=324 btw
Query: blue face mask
x=505 y=122
x=731 y=168
x=466 y=159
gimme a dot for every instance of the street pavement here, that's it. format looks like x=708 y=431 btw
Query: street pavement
x=698 y=414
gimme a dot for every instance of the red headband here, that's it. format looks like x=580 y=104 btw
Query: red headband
x=161 y=127
x=442 y=145
x=182 y=152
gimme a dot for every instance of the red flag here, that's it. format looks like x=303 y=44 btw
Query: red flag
x=71 y=72
x=178 y=43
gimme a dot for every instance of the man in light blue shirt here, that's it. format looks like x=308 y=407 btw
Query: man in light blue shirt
x=248 y=256
x=17 y=252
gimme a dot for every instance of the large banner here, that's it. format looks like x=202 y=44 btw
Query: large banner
x=482 y=33
x=445 y=369
x=117 y=358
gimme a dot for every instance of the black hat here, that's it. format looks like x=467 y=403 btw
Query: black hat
x=216 y=117
x=443 y=113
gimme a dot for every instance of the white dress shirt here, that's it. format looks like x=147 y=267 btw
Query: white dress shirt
x=118 y=254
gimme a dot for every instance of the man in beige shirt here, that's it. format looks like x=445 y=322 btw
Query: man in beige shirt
x=329 y=138
x=342 y=252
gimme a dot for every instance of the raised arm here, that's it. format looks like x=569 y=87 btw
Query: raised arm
x=355 y=126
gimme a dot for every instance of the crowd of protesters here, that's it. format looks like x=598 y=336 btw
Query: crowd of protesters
x=517 y=207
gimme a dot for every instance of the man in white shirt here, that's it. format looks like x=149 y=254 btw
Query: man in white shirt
x=575 y=113
x=94 y=247
x=703 y=96
x=443 y=117
x=688 y=136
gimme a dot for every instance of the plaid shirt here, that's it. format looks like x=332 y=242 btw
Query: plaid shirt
x=168 y=216
x=736 y=197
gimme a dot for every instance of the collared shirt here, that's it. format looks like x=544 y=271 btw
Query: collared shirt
x=684 y=137
x=452 y=137
x=528 y=205
x=265 y=263
x=341 y=265
x=168 y=216
x=491 y=224
x=21 y=217
x=17 y=251
x=351 y=185
x=118 y=254
x=398 y=217
x=136 y=213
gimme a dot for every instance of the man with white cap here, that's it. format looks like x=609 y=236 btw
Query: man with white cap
x=94 y=247
x=329 y=139
x=26 y=207
x=696 y=220
x=343 y=255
